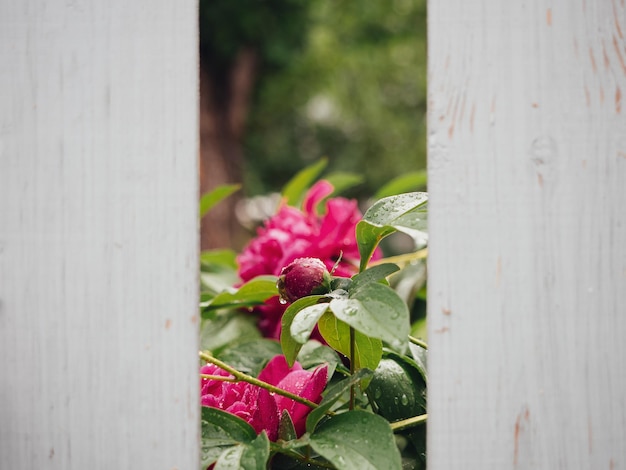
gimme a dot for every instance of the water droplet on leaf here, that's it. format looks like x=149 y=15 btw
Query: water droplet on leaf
x=350 y=311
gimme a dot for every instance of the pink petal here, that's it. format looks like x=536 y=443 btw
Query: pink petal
x=305 y=384
x=316 y=384
x=290 y=220
x=337 y=230
x=318 y=191
x=271 y=314
x=210 y=401
x=265 y=415
x=277 y=369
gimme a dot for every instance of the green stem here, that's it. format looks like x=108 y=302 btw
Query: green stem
x=419 y=342
x=352 y=364
x=254 y=381
x=403 y=259
x=408 y=423
x=221 y=378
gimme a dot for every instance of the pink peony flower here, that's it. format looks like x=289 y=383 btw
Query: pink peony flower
x=256 y=405
x=304 y=383
x=252 y=404
x=294 y=233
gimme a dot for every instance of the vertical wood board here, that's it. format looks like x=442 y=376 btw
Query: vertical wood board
x=527 y=261
x=98 y=235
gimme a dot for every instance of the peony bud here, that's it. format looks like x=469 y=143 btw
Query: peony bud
x=304 y=276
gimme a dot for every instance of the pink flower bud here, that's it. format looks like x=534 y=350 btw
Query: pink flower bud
x=304 y=276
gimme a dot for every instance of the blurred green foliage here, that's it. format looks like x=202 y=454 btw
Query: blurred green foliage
x=339 y=79
x=355 y=94
x=274 y=28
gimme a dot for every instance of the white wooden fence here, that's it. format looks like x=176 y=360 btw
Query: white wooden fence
x=98 y=234
x=527 y=180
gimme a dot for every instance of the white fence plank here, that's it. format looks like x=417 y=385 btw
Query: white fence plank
x=98 y=235
x=527 y=280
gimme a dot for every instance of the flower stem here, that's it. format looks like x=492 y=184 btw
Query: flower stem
x=403 y=259
x=221 y=378
x=352 y=364
x=254 y=381
x=418 y=342
x=408 y=423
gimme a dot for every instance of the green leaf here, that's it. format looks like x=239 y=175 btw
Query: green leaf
x=357 y=440
x=398 y=388
x=222 y=258
x=314 y=353
x=417 y=436
x=292 y=444
x=420 y=356
x=222 y=428
x=408 y=182
x=333 y=394
x=254 y=292
x=227 y=329
x=256 y=454
x=215 y=283
x=220 y=431
x=422 y=294
x=373 y=274
x=305 y=320
x=251 y=456
x=295 y=189
x=231 y=442
x=230 y=459
x=251 y=356
x=340 y=284
x=286 y=429
x=414 y=224
x=405 y=212
x=342 y=181
x=409 y=281
x=367 y=350
x=368 y=237
x=377 y=311
x=290 y=346
x=210 y=199
x=419 y=329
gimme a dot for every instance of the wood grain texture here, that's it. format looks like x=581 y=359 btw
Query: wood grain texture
x=98 y=235
x=527 y=260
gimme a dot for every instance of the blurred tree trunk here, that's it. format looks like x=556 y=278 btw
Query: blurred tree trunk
x=224 y=99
